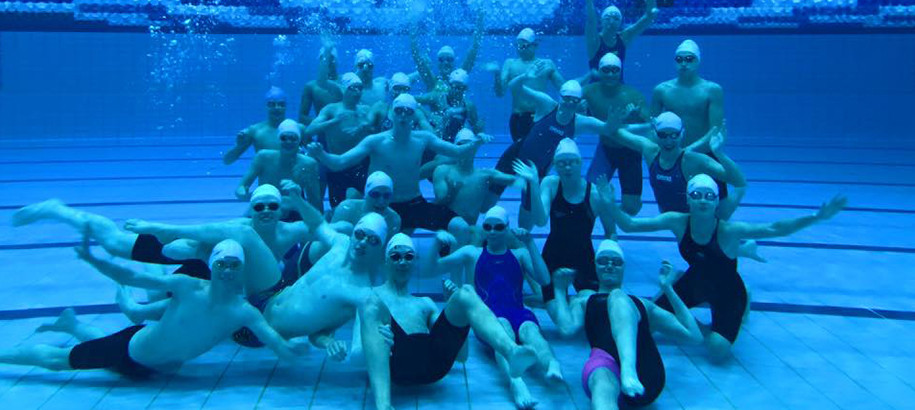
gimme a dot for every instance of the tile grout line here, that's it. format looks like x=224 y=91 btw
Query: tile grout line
x=314 y=390
x=221 y=375
x=266 y=384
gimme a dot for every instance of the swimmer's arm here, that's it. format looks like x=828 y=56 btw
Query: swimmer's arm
x=423 y=121
x=422 y=62
x=601 y=208
x=325 y=120
x=590 y=125
x=785 y=227
x=349 y=158
x=308 y=179
x=501 y=79
x=532 y=262
x=633 y=31
x=284 y=349
x=440 y=146
x=725 y=169
x=556 y=77
x=680 y=325
x=547 y=193
x=306 y=103
x=592 y=36
x=456 y=259
x=647 y=148
x=242 y=142
x=250 y=175
x=665 y=221
x=311 y=218
x=542 y=101
x=129 y=277
x=471 y=58
x=657 y=100
x=431 y=311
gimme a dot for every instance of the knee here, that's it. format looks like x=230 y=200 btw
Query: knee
x=719 y=348
x=465 y=296
x=631 y=204
x=529 y=331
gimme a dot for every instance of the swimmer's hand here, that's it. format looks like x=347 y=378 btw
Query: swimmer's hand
x=526 y=171
x=314 y=150
x=523 y=235
x=483 y=138
x=336 y=351
x=141 y=227
x=241 y=193
x=716 y=139
x=445 y=239
x=82 y=250
x=492 y=67
x=386 y=334
x=668 y=275
x=616 y=114
x=605 y=188
x=449 y=288
x=290 y=188
x=831 y=208
x=243 y=138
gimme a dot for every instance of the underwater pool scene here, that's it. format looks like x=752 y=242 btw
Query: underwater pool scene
x=457 y=204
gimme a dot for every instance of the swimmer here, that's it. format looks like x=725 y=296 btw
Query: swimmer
x=710 y=246
x=464 y=188
x=445 y=57
x=187 y=329
x=262 y=135
x=523 y=106
x=498 y=276
x=571 y=204
x=399 y=153
x=382 y=113
x=451 y=109
x=378 y=190
x=272 y=166
x=374 y=86
x=625 y=368
x=320 y=92
x=610 y=39
x=344 y=125
x=553 y=121
x=408 y=340
x=607 y=94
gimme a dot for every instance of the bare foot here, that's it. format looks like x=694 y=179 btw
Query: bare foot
x=630 y=384
x=522 y=395
x=554 y=371
x=36 y=212
x=521 y=359
x=129 y=306
x=65 y=323
x=750 y=249
x=562 y=278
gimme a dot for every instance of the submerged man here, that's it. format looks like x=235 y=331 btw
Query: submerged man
x=262 y=135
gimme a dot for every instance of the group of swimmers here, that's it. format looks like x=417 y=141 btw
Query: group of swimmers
x=292 y=269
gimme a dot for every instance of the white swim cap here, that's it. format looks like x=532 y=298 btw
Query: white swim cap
x=458 y=76
x=668 y=121
x=611 y=11
x=702 y=181
x=373 y=222
x=349 y=79
x=264 y=193
x=275 y=94
x=610 y=246
x=497 y=212
x=465 y=135
x=400 y=239
x=567 y=146
x=400 y=79
x=689 y=46
x=289 y=126
x=227 y=249
x=363 y=56
x=527 y=34
x=405 y=100
x=378 y=179
x=446 y=51
x=570 y=88
x=611 y=60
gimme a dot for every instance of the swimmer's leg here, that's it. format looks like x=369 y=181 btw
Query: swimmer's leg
x=374 y=314
x=68 y=323
x=466 y=308
x=719 y=348
x=520 y=393
x=102 y=229
x=530 y=335
x=624 y=322
x=605 y=390
x=558 y=304
x=631 y=204
x=48 y=357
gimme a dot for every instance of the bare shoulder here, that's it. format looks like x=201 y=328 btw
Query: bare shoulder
x=266 y=155
x=551 y=182
x=428 y=304
x=711 y=86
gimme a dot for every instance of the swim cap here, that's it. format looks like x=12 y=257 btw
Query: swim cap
x=611 y=11
x=378 y=179
x=227 y=249
x=689 y=46
x=611 y=60
x=702 y=181
x=570 y=88
x=400 y=79
x=275 y=94
x=400 y=239
x=567 y=146
x=405 y=100
x=349 y=79
x=264 y=193
x=668 y=121
x=497 y=212
x=527 y=34
x=289 y=127
x=446 y=51
x=333 y=51
x=458 y=76
x=610 y=246
x=373 y=222
x=363 y=56
x=465 y=135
